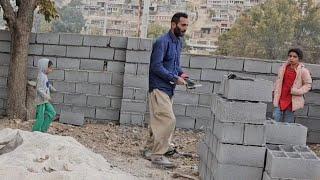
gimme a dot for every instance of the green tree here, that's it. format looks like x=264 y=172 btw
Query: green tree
x=19 y=20
x=156 y=30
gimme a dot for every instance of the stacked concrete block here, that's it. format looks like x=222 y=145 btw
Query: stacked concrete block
x=291 y=162
x=312 y=123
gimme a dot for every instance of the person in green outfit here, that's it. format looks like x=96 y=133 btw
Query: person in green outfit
x=45 y=111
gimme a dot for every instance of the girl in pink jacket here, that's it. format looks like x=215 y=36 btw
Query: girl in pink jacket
x=292 y=83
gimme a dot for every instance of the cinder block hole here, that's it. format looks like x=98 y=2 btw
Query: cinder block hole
x=279 y=154
x=302 y=148
x=294 y=155
x=308 y=156
x=287 y=148
x=273 y=147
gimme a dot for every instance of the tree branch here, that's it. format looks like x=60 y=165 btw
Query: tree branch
x=8 y=12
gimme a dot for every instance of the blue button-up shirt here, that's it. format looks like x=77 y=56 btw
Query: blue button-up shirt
x=165 y=63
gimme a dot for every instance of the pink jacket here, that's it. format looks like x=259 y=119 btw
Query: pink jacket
x=301 y=85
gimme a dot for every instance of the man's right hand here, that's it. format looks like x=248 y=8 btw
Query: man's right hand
x=181 y=81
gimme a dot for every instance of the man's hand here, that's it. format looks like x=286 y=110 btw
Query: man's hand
x=181 y=81
x=184 y=76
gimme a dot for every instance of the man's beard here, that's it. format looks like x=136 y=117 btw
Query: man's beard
x=177 y=32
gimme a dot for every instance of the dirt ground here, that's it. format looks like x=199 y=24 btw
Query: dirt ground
x=121 y=146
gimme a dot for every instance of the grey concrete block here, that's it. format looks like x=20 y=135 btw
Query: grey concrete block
x=201 y=123
x=230 y=64
x=5 y=59
x=62 y=107
x=137 y=119
x=108 y=114
x=57 y=97
x=131 y=68
x=285 y=133
x=101 y=53
x=119 y=55
x=314 y=70
x=117 y=79
x=133 y=43
x=89 y=112
x=30 y=61
x=78 y=51
x=71 y=39
x=128 y=93
x=267 y=177
x=266 y=77
x=113 y=66
x=5 y=46
x=90 y=64
x=56 y=75
x=185 y=98
x=68 y=63
x=138 y=56
x=116 y=103
x=228 y=132
x=140 y=94
x=145 y=44
x=205 y=62
x=138 y=81
x=205 y=100
x=62 y=86
x=33 y=38
x=3 y=92
x=1 y=103
x=133 y=106
x=212 y=75
x=238 y=111
x=72 y=118
x=99 y=41
x=257 y=90
x=258 y=66
x=193 y=73
x=111 y=90
x=179 y=109
x=38 y=49
x=312 y=98
x=275 y=67
x=5 y=35
x=3 y=81
x=76 y=76
x=303 y=111
x=292 y=162
x=254 y=135
x=87 y=88
x=118 y=42
x=185 y=60
x=241 y=155
x=206 y=88
x=185 y=122
x=98 y=101
x=312 y=123
x=316 y=85
x=75 y=99
x=198 y=111
x=143 y=69
x=125 y=118
x=100 y=77
x=313 y=137
x=48 y=38
x=32 y=73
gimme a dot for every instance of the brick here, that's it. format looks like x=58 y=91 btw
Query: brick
x=71 y=39
x=254 y=135
x=275 y=67
x=56 y=75
x=201 y=123
x=87 y=88
x=212 y=75
x=312 y=123
x=108 y=114
x=118 y=42
x=230 y=64
x=193 y=73
x=131 y=68
x=292 y=162
x=140 y=94
x=62 y=86
x=5 y=35
x=99 y=41
x=76 y=76
x=100 y=77
x=241 y=155
x=185 y=122
x=179 y=109
x=37 y=58
x=3 y=81
x=135 y=81
x=79 y=52
x=138 y=56
x=133 y=43
x=198 y=111
x=72 y=118
x=98 y=101
x=5 y=59
x=185 y=98
x=37 y=49
x=314 y=70
x=285 y=133
x=314 y=111
x=205 y=100
x=111 y=90
x=258 y=66
x=68 y=63
x=119 y=55
x=5 y=46
x=117 y=67
x=228 y=132
x=257 y=90
x=101 y=53
x=185 y=60
x=48 y=38
x=90 y=64
x=89 y=112
x=117 y=79
x=143 y=69
x=205 y=62
x=312 y=98
x=238 y=111
x=57 y=97
x=116 y=103
x=128 y=93
x=313 y=137
x=75 y=99
x=133 y=106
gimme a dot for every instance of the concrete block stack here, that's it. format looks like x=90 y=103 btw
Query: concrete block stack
x=234 y=147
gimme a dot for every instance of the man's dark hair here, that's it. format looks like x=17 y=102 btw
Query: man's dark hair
x=50 y=63
x=297 y=51
x=176 y=17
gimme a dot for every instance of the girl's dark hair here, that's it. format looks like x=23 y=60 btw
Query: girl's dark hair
x=297 y=51
x=50 y=63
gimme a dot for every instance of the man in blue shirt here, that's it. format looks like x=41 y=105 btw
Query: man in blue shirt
x=164 y=74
